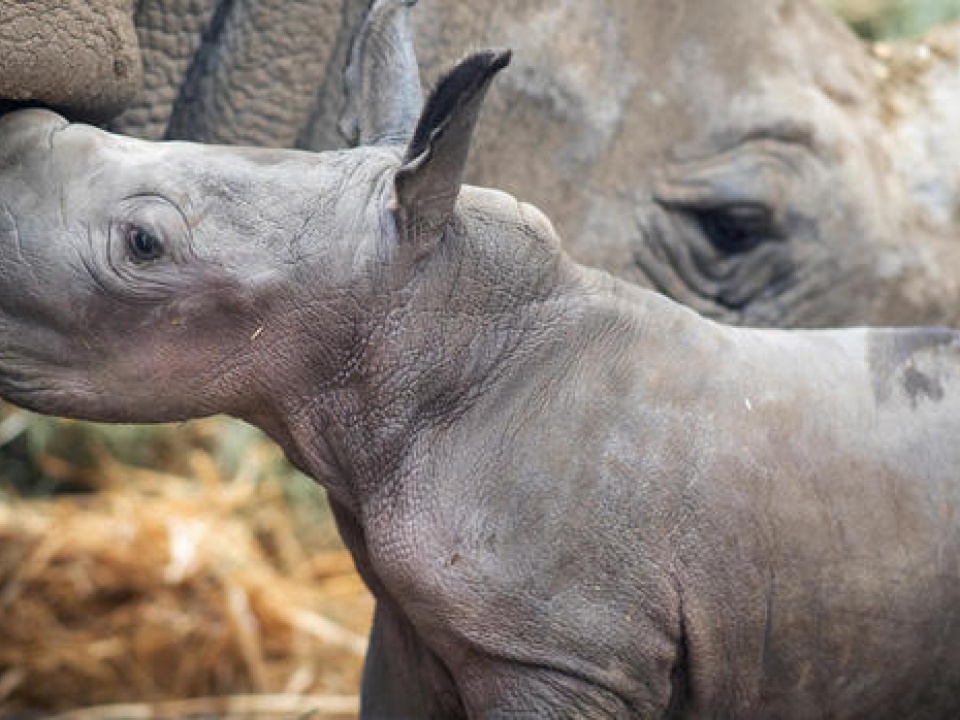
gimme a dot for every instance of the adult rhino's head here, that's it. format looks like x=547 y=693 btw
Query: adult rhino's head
x=753 y=160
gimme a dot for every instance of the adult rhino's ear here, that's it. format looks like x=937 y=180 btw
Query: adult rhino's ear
x=382 y=80
x=428 y=182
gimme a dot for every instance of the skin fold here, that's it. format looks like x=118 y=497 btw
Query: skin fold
x=249 y=72
x=572 y=498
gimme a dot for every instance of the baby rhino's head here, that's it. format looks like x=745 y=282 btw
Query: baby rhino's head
x=149 y=282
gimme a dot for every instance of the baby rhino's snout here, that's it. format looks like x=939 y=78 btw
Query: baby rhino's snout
x=26 y=131
x=25 y=141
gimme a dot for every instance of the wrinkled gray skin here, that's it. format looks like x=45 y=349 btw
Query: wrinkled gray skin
x=752 y=160
x=571 y=497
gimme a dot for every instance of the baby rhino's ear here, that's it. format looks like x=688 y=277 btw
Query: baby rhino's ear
x=428 y=183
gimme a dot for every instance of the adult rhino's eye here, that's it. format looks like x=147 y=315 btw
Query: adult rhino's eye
x=737 y=228
x=142 y=245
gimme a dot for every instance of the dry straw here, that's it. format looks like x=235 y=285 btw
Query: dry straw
x=158 y=590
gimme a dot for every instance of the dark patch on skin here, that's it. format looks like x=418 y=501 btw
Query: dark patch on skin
x=908 y=359
x=917 y=383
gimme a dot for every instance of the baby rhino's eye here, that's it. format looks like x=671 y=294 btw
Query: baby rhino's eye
x=142 y=245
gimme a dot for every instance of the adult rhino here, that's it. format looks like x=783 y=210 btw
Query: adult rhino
x=572 y=498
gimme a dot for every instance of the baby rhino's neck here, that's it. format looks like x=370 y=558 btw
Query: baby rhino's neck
x=497 y=299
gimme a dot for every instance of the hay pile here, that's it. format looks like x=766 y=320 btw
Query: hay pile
x=162 y=589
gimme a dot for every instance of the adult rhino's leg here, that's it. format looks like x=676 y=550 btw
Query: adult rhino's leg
x=402 y=678
x=170 y=34
x=255 y=77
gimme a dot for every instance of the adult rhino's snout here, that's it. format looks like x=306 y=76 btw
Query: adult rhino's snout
x=25 y=131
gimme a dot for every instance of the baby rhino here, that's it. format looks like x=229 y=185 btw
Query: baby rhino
x=572 y=498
